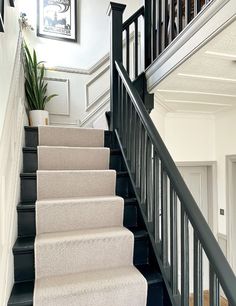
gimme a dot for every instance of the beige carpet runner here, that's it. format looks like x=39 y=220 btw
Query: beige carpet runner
x=83 y=254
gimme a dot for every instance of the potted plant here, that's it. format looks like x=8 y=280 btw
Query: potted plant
x=35 y=88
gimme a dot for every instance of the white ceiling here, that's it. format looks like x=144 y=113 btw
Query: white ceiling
x=206 y=82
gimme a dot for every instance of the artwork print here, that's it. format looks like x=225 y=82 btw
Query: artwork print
x=57 y=19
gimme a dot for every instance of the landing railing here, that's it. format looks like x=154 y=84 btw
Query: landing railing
x=165 y=21
x=184 y=246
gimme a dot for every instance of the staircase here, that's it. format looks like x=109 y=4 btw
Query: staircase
x=105 y=215
x=81 y=238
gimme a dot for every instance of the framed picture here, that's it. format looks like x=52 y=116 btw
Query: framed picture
x=1 y=15
x=57 y=19
x=12 y=3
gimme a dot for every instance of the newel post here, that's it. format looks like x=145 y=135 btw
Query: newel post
x=147 y=32
x=115 y=11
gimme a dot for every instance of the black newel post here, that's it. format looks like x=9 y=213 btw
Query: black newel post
x=148 y=32
x=115 y=12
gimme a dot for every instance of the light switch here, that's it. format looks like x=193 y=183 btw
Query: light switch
x=222 y=211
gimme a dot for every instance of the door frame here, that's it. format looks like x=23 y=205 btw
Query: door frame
x=230 y=209
x=211 y=190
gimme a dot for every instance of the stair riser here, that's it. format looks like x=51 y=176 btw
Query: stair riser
x=28 y=189
x=155 y=294
x=26 y=224
x=24 y=266
x=26 y=220
x=24 y=263
x=29 y=193
x=31 y=138
x=30 y=161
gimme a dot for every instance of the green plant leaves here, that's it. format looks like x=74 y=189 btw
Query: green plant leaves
x=35 y=85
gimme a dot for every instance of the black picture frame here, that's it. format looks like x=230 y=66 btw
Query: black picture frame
x=12 y=3
x=57 y=21
x=1 y=15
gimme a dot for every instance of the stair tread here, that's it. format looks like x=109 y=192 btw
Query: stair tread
x=34 y=149
x=150 y=273
x=25 y=205
x=28 y=175
x=23 y=244
x=22 y=293
x=33 y=175
x=30 y=149
x=31 y=128
x=35 y=128
x=26 y=244
x=83 y=234
x=82 y=199
x=90 y=280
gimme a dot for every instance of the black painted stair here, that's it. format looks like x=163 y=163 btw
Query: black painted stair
x=23 y=250
x=22 y=293
x=26 y=217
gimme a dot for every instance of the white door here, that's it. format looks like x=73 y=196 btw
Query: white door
x=196 y=179
x=231 y=211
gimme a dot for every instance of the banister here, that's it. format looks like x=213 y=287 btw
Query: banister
x=131 y=19
x=215 y=255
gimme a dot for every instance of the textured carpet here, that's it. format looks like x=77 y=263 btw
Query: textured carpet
x=70 y=137
x=83 y=254
x=123 y=286
x=75 y=183
x=62 y=215
x=64 y=158
x=83 y=250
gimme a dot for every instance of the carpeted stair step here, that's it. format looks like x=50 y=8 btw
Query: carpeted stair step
x=62 y=215
x=78 y=183
x=32 y=138
x=82 y=250
x=26 y=217
x=68 y=172
x=73 y=158
x=30 y=159
x=70 y=136
x=123 y=286
x=23 y=251
x=22 y=293
x=29 y=194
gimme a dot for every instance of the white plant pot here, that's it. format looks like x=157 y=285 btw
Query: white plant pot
x=38 y=117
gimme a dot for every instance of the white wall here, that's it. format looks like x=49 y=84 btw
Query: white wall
x=93 y=34
x=85 y=63
x=225 y=145
x=192 y=137
x=8 y=43
x=12 y=120
x=158 y=115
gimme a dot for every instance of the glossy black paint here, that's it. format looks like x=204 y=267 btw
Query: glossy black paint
x=23 y=249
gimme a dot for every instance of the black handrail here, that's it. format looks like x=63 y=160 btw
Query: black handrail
x=132 y=18
x=156 y=180
x=219 y=265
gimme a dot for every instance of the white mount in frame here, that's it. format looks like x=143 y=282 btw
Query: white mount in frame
x=57 y=19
